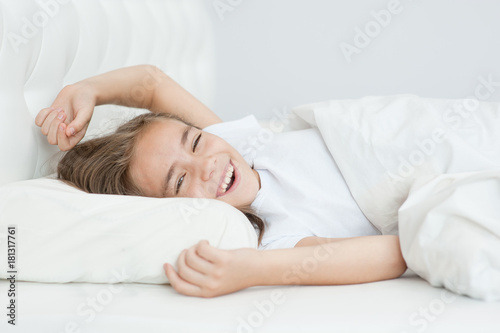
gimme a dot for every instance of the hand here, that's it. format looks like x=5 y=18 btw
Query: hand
x=66 y=121
x=206 y=271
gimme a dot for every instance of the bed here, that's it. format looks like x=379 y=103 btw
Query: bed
x=46 y=45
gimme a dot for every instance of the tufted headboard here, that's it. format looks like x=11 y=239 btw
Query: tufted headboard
x=47 y=44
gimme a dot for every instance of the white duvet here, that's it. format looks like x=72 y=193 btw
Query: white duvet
x=428 y=169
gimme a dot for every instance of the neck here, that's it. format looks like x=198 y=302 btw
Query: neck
x=257 y=175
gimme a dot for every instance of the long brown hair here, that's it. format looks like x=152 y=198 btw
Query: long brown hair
x=101 y=165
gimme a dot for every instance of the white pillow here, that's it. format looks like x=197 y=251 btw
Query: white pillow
x=66 y=235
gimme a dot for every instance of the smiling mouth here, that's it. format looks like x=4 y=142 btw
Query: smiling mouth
x=231 y=182
x=228 y=180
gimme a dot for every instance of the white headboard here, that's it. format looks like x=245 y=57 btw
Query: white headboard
x=45 y=45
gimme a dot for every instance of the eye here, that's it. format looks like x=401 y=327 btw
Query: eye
x=196 y=142
x=179 y=183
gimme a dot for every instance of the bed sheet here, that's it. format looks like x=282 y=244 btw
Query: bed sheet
x=408 y=304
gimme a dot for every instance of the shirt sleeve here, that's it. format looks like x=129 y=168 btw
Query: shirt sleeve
x=241 y=134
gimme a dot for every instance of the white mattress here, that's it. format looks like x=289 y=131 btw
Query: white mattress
x=407 y=304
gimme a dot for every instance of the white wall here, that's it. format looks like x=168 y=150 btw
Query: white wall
x=282 y=53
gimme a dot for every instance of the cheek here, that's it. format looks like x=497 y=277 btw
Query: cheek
x=134 y=176
x=195 y=191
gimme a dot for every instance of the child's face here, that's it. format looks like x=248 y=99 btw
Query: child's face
x=196 y=174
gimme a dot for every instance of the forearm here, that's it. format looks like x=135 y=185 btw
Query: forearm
x=349 y=261
x=206 y=271
x=147 y=87
x=130 y=86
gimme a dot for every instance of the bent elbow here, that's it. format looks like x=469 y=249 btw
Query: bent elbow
x=398 y=262
x=399 y=268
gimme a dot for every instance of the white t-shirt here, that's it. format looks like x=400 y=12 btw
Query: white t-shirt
x=302 y=191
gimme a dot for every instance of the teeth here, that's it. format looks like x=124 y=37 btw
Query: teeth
x=226 y=181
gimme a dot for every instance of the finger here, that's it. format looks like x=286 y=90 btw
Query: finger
x=196 y=262
x=187 y=273
x=40 y=117
x=207 y=251
x=62 y=139
x=48 y=120
x=82 y=118
x=179 y=284
x=54 y=127
x=73 y=140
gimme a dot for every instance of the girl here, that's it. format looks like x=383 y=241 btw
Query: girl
x=173 y=151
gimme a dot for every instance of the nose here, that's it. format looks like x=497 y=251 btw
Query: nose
x=207 y=167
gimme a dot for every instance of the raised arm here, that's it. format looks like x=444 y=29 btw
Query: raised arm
x=206 y=271
x=142 y=86
x=146 y=86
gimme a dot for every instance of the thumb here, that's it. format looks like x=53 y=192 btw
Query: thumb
x=81 y=120
x=207 y=251
x=62 y=139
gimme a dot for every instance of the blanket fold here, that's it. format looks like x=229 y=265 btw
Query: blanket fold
x=388 y=146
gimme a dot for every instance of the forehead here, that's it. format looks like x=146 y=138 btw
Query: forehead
x=165 y=126
x=160 y=134
x=156 y=149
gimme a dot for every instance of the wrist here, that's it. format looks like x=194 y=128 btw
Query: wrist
x=89 y=89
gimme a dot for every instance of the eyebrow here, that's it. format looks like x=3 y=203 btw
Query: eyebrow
x=168 y=179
